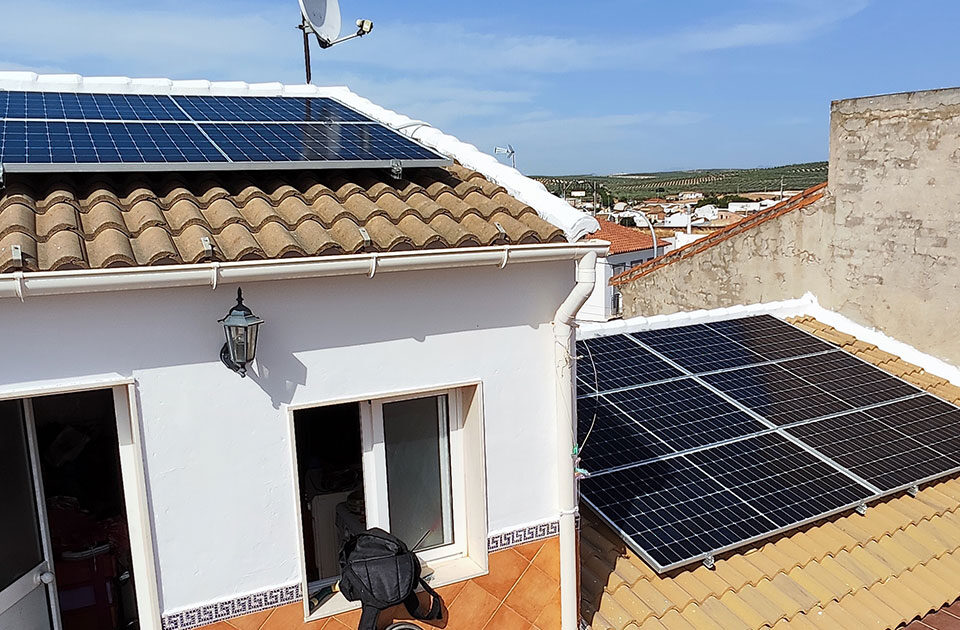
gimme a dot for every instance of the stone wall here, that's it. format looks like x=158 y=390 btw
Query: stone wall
x=883 y=247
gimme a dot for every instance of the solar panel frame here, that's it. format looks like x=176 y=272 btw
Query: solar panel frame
x=698 y=349
x=611 y=438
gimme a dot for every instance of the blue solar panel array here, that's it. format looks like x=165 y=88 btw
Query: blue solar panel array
x=53 y=131
x=702 y=438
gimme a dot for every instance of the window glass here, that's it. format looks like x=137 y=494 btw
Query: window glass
x=416 y=441
x=20 y=549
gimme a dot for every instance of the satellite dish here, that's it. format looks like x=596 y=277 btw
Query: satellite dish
x=323 y=16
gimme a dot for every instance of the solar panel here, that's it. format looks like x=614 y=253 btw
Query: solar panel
x=267 y=109
x=679 y=510
x=308 y=142
x=684 y=414
x=72 y=106
x=698 y=348
x=780 y=479
x=927 y=419
x=874 y=450
x=618 y=361
x=54 y=132
x=50 y=142
x=765 y=428
x=776 y=394
x=672 y=512
x=770 y=337
x=850 y=379
x=615 y=439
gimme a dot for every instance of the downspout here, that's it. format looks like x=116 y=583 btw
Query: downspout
x=564 y=347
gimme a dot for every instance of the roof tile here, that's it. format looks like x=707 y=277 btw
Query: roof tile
x=62 y=220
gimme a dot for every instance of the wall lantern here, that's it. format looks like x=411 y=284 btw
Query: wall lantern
x=240 y=326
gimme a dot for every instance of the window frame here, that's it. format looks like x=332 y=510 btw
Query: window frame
x=472 y=560
x=375 y=486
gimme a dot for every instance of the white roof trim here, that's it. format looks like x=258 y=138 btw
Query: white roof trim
x=807 y=305
x=575 y=224
x=787 y=308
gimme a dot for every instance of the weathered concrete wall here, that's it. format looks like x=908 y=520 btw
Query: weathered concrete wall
x=883 y=247
x=895 y=178
x=767 y=263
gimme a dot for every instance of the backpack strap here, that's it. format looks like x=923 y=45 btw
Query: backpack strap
x=368 y=618
x=412 y=602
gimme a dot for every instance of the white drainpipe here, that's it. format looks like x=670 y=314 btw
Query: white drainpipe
x=564 y=329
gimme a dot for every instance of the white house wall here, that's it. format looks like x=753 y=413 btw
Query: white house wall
x=217 y=454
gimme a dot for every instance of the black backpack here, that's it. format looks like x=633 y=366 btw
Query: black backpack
x=377 y=569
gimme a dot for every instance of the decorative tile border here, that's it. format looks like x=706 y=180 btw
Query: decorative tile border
x=212 y=613
x=276 y=597
x=505 y=540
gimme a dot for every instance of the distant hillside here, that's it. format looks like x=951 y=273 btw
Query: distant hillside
x=630 y=186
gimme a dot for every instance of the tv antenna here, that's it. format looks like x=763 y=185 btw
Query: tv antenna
x=509 y=152
x=322 y=18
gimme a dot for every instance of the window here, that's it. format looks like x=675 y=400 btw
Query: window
x=393 y=463
x=410 y=470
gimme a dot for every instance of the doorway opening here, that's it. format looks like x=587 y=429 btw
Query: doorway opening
x=332 y=502
x=77 y=450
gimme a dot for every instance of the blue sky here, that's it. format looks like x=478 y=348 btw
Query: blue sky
x=577 y=87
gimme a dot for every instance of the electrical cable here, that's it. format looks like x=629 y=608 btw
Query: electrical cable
x=596 y=387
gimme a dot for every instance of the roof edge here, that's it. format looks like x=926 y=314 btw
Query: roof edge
x=576 y=225
x=25 y=285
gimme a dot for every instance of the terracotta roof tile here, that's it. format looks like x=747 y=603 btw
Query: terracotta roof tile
x=804 y=199
x=885 y=569
x=622 y=239
x=96 y=221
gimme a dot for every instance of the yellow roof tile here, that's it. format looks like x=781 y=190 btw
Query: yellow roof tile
x=911 y=509
x=928 y=588
x=700 y=620
x=702 y=584
x=630 y=600
x=761 y=605
x=744 y=611
x=869 y=611
x=782 y=599
x=852 y=580
x=830 y=539
x=899 y=598
x=841 y=616
x=723 y=616
x=614 y=613
x=797 y=554
x=673 y=620
x=795 y=591
x=893 y=554
x=800 y=622
x=875 y=561
x=745 y=568
x=821 y=591
x=672 y=591
x=831 y=582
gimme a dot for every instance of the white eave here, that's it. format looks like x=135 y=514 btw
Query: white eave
x=575 y=224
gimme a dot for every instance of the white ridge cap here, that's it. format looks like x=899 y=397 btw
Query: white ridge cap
x=576 y=225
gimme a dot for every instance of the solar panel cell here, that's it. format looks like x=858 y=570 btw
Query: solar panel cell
x=779 y=479
x=615 y=440
x=684 y=414
x=850 y=379
x=927 y=419
x=267 y=109
x=618 y=361
x=775 y=394
x=698 y=348
x=770 y=337
x=874 y=450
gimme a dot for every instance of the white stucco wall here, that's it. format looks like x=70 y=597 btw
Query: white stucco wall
x=599 y=306
x=217 y=450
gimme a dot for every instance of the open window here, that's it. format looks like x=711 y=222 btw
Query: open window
x=402 y=464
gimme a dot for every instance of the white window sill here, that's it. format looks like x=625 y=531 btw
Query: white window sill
x=437 y=573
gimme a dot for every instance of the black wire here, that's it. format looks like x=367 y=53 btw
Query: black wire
x=596 y=386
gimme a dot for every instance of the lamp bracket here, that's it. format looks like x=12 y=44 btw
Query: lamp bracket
x=227 y=361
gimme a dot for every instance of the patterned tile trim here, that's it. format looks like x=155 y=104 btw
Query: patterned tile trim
x=212 y=613
x=504 y=540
